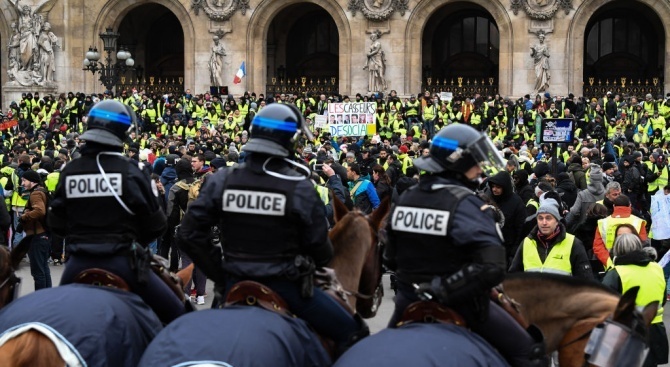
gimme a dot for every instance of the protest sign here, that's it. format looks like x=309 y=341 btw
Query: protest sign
x=352 y=119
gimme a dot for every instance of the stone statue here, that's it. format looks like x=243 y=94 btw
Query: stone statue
x=540 y=55
x=13 y=52
x=216 y=62
x=378 y=3
x=376 y=65
x=46 y=42
x=34 y=56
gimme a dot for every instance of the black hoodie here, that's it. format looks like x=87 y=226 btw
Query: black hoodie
x=514 y=210
x=523 y=188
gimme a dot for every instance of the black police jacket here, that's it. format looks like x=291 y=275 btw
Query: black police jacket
x=436 y=228
x=85 y=211
x=265 y=222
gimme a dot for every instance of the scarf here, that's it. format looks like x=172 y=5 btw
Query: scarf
x=545 y=239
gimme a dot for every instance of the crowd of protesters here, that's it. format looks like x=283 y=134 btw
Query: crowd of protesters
x=619 y=148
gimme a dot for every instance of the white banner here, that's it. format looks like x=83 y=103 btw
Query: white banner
x=660 y=215
x=352 y=119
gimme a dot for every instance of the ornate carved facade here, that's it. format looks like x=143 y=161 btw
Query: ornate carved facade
x=458 y=46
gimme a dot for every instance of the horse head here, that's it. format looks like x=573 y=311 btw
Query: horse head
x=357 y=256
x=567 y=310
x=9 y=263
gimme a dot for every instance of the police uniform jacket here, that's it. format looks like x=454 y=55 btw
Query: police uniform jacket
x=265 y=222
x=435 y=228
x=85 y=211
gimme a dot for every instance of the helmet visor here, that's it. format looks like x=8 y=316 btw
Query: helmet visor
x=487 y=156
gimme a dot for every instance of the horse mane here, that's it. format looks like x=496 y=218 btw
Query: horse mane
x=31 y=348
x=540 y=280
x=343 y=236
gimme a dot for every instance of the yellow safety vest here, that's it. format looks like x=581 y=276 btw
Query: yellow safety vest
x=608 y=226
x=661 y=181
x=52 y=181
x=323 y=193
x=651 y=281
x=17 y=200
x=557 y=262
x=532 y=202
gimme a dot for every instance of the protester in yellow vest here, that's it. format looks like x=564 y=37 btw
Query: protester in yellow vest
x=634 y=266
x=606 y=231
x=550 y=249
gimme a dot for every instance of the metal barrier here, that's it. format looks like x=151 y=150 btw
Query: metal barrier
x=152 y=84
x=597 y=88
x=320 y=85
x=461 y=86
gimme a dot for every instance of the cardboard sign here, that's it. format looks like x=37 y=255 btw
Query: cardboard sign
x=352 y=119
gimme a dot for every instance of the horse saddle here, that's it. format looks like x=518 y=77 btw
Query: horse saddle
x=106 y=278
x=102 y=278
x=250 y=293
x=326 y=280
x=430 y=312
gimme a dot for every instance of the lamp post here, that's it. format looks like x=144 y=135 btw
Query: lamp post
x=110 y=72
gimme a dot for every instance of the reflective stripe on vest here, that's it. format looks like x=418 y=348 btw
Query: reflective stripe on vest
x=533 y=203
x=557 y=262
x=651 y=281
x=609 y=225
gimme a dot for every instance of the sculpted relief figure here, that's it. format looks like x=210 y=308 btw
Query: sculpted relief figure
x=216 y=62
x=376 y=65
x=13 y=52
x=31 y=47
x=540 y=55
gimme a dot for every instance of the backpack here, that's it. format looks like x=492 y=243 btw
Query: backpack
x=193 y=190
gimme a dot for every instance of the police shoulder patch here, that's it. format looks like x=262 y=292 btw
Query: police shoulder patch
x=420 y=220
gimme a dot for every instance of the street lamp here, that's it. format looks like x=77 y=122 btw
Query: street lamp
x=110 y=72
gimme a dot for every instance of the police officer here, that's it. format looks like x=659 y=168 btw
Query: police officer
x=441 y=228
x=271 y=220
x=106 y=206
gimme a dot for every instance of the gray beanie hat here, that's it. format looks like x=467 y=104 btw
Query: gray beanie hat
x=549 y=206
x=596 y=174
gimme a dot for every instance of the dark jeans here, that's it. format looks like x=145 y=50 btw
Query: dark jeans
x=499 y=328
x=164 y=251
x=321 y=312
x=199 y=278
x=155 y=293
x=38 y=254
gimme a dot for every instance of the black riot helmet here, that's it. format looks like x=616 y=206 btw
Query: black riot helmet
x=276 y=129
x=108 y=122
x=459 y=147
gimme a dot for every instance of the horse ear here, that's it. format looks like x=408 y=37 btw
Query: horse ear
x=380 y=213
x=626 y=304
x=339 y=209
x=649 y=312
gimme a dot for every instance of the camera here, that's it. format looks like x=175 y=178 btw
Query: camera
x=318 y=167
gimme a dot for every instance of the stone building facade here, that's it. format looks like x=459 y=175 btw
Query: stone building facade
x=459 y=46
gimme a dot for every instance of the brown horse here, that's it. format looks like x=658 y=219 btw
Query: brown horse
x=357 y=258
x=566 y=309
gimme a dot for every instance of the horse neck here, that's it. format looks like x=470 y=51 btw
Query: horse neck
x=351 y=240
x=556 y=310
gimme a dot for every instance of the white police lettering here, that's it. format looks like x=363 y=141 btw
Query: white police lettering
x=254 y=202
x=92 y=186
x=420 y=220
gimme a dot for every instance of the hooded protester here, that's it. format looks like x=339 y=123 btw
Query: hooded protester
x=579 y=176
x=567 y=189
x=502 y=192
x=522 y=186
x=595 y=191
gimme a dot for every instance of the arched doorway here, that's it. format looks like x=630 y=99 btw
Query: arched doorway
x=624 y=50
x=303 y=51
x=461 y=50
x=155 y=38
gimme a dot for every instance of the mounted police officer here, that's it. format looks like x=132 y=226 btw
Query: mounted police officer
x=106 y=206
x=273 y=225
x=440 y=228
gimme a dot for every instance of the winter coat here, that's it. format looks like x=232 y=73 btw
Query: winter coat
x=579 y=175
x=513 y=208
x=568 y=191
x=585 y=198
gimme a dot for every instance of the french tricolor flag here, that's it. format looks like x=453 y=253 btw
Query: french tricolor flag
x=240 y=74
